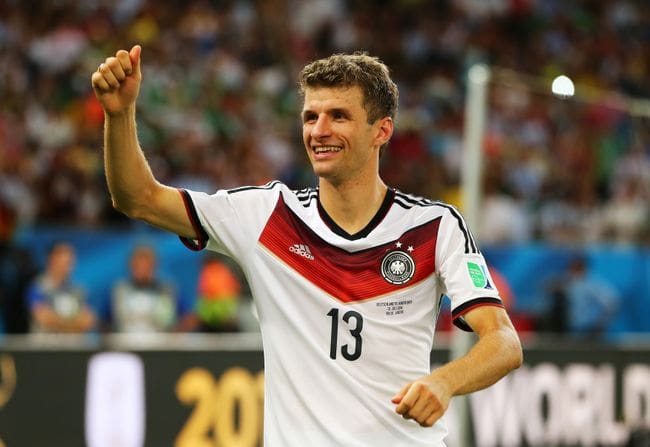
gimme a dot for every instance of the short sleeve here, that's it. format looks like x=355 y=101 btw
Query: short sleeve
x=462 y=269
x=229 y=221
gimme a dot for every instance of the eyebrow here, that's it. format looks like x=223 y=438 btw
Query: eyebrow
x=339 y=110
x=332 y=111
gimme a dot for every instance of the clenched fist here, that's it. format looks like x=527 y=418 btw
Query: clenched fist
x=424 y=401
x=117 y=81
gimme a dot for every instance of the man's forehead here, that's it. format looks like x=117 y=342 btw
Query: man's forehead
x=328 y=97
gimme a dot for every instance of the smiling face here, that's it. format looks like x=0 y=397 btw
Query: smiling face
x=342 y=146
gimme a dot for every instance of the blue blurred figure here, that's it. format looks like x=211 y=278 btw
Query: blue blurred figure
x=581 y=304
x=591 y=302
x=55 y=302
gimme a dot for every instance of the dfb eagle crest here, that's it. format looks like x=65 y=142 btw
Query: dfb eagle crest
x=397 y=267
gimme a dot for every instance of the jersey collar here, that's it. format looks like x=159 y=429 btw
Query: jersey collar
x=377 y=218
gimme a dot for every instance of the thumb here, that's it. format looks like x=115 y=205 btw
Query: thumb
x=397 y=398
x=134 y=54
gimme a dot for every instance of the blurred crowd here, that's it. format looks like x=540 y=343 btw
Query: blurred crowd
x=218 y=106
x=46 y=297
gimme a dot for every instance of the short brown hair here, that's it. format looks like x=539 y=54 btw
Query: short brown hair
x=372 y=76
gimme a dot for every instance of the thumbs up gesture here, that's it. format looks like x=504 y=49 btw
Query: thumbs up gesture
x=117 y=81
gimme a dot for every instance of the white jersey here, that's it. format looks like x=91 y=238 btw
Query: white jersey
x=346 y=320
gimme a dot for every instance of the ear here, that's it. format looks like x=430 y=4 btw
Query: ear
x=384 y=130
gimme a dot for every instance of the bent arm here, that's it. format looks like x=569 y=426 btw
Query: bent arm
x=133 y=188
x=495 y=354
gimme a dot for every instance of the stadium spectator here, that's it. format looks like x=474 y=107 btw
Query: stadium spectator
x=502 y=217
x=625 y=216
x=143 y=303
x=579 y=304
x=592 y=302
x=219 y=296
x=56 y=304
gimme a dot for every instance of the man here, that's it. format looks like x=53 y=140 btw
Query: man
x=55 y=303
x=581 y=304
x=142 y=303
x=347 y=277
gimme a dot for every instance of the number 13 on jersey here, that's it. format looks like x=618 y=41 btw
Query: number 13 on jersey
x=354 y=322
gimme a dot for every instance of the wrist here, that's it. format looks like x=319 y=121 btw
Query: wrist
x=125 y=114
x=442 y=380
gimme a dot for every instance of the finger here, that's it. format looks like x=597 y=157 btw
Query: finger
x=125 y=61
x=426 y=413
x=408 y=401
x=397 y=398
x=115 y=66
x=421 y=409
x=432 y=419
x=99 y=83
x=108 y=76
x=134 y=55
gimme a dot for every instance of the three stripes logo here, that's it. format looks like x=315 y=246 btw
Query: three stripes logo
x=302 y=250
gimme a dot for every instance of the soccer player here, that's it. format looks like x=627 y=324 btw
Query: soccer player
x=347 y=276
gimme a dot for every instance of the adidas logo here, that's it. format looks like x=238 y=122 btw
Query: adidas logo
x=302 y=250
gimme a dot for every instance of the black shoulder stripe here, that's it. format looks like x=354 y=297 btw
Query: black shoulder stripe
x=408 y=205
x=307 y=202
x=404 y=205
x=412 y=200
x=407 y=201
x=269 y=185
x=306 y=192
x=470 y=245
x=306 y=195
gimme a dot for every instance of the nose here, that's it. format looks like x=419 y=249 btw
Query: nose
x=321 y=127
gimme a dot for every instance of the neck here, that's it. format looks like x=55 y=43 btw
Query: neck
x=56 y=279
x=353 y=205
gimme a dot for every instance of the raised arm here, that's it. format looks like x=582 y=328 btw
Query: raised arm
x=132 y=186
x=495 y=354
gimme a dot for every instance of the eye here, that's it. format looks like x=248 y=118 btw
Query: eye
x=309 y=117
x=339 y=115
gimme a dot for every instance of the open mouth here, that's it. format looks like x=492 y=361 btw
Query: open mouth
x=325 y=149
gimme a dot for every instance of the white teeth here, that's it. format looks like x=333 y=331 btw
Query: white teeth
x=321 y=149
